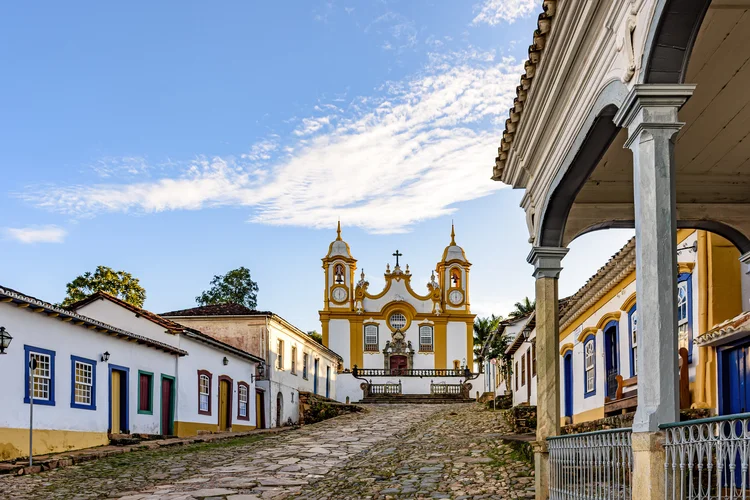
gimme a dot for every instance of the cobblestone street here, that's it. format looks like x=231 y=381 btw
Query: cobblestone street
x=404 y=451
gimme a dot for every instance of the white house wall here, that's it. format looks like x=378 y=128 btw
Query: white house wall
x=338 y=338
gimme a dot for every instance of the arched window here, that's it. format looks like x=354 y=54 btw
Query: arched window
x=589 y=357
x=633 y=328
x=425 y=338
x=371 y=337
x=684 y=313
x=204 y=392
x=243 y=393
x=338 y=273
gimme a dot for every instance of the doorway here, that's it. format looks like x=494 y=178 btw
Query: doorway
x=279 y=409
x=328 y=381
x=118 y=399
x=167 y=405
x=315 y=375
x=568 y=374
x=734 y=380
x=398 y=364
x=260 y=409
x=611 y=364
x=528 y=375
x=225 y=403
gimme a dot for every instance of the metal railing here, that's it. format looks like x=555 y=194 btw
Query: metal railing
x=707 y=458
x=425 y=348
x=414 y=372
x=591 y=465
x=384 y=389
x=453 y=389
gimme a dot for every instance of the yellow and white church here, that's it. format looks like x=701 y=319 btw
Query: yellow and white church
x=421 y=343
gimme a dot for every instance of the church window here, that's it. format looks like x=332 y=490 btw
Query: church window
x=425 y=338
x=398 y=321
x=371 y=337
x=204 y=392
x=589 y=352
x=456 y=278
x=338 y=272
x=279 y=354
x=294 y=360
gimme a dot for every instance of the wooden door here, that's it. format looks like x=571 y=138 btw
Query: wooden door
x=225 y=413
x=167 y=410
x=611 y=361
x=568 y=374
x=260 y=410
x=115 y=396
x=528 y=376
x=315 y=376
x=398 y=365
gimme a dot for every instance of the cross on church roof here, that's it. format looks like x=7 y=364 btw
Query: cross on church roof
x=397 y=255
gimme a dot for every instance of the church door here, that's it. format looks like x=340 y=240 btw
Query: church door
x=398 y=365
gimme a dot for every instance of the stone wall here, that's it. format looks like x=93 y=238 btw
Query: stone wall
x=504 y=402
x=626 y=420
x=522 y=419
x=315 y=408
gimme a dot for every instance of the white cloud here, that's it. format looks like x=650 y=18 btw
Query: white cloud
x=493 y=12
x=37 y=234
x=389 y=161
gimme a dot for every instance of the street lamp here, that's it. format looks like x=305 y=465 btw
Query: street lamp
x=105 y=356
x=5 y=339
x=526 y=332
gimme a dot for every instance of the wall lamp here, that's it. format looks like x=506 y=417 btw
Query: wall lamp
x=105 y=356
x=5 y=339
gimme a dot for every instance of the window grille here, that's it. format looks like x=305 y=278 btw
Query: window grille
x=371 y=337
x=590 y=355
x=242 y=397
x=204 y=390
x=398 y=321
x=84 y=381
x=425 y=338
x=42 y=376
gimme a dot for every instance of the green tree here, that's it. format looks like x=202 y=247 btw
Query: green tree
x=483 y=330
x=316 y=336
x=236 y=286
x=105 y=279
x=523 y=308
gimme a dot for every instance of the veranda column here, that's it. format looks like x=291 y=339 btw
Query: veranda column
x=650 y=115
x=546 y=261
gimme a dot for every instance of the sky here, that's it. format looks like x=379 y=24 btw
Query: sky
x=180 y=140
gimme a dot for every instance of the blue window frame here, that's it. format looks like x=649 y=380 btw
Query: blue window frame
x=633 y=336
x=82 y=383
x=589 y=366
x=44 y=375
x=685 y=313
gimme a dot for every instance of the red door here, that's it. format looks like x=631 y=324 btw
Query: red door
x=167 y=411
x=398 y=365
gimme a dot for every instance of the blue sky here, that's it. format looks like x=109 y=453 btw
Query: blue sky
x=178 y=140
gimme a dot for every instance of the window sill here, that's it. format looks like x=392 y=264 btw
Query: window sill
x=145 y=412
x=45 y=402
x=79 y=406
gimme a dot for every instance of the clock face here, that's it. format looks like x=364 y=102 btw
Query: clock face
x=456 y=297
x=339 y=294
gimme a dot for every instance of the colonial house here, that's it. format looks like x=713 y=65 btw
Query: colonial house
x=495 y=367
x=292 y=360
x=216 y=381
x=397 y=339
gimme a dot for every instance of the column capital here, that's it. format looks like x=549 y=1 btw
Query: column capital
x=546 y=261
x=651 y=106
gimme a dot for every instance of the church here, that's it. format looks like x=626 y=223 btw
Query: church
x=397 y=340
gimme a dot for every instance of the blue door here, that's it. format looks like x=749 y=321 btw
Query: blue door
x=315 y=376
x=612 y=358
x=734 y=383
x=328 y=381
x=568 y=374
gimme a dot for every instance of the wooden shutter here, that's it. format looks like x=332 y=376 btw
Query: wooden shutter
x=145 y=400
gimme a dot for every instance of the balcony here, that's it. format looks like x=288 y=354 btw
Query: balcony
x=413 y=372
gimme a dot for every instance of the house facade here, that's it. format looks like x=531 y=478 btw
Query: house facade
x=292 y=360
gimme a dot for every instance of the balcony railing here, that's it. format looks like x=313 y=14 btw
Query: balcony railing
x=591 y=465
x=371 y=348
x=384 y=389
x=708 y=458
x=449 y=389
x=425 y=348
x=403 y=372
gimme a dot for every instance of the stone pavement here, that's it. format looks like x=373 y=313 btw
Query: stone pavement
x=398 y=451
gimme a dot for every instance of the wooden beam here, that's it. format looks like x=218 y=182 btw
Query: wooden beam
x=91 y=327
x=6 y=299
x=78 y=322
x=53 y=314
x=38 y=309
x=23 y=305
x=66 y=319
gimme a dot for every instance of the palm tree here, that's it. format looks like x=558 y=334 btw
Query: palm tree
x=483 y=329
x=523 y=308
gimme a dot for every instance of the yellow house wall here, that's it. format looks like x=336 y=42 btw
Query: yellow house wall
x=14 y=443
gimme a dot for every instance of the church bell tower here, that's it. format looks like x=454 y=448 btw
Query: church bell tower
x=339 y=267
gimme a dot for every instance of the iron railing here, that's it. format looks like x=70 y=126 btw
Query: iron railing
x=452 y=389
x=381 y=389
x=592 y=465
x=707 y=458
x=403 y=372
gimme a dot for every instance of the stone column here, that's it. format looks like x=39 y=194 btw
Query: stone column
x=650 y=115
x=546 y=261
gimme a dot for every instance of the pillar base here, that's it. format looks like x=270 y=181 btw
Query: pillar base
x=648 y=465
x=541 y=469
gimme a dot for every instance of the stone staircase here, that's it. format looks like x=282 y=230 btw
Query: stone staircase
x=400 y=399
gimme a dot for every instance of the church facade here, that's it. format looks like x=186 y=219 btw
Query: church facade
x=397 y=335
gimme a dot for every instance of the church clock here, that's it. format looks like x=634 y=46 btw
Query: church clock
x=456 y=297
x=339 y=294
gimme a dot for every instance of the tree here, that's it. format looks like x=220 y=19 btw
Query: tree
x=523 y=308
x=236 y=286
x=316 y=336
x=105 y=279
x=483 y=330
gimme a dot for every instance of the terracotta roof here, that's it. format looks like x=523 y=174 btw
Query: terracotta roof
x=607 y=277
x=11 y=296
x=171 y=326
x=227 y=309
x=728 y=331
x=544 y=25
